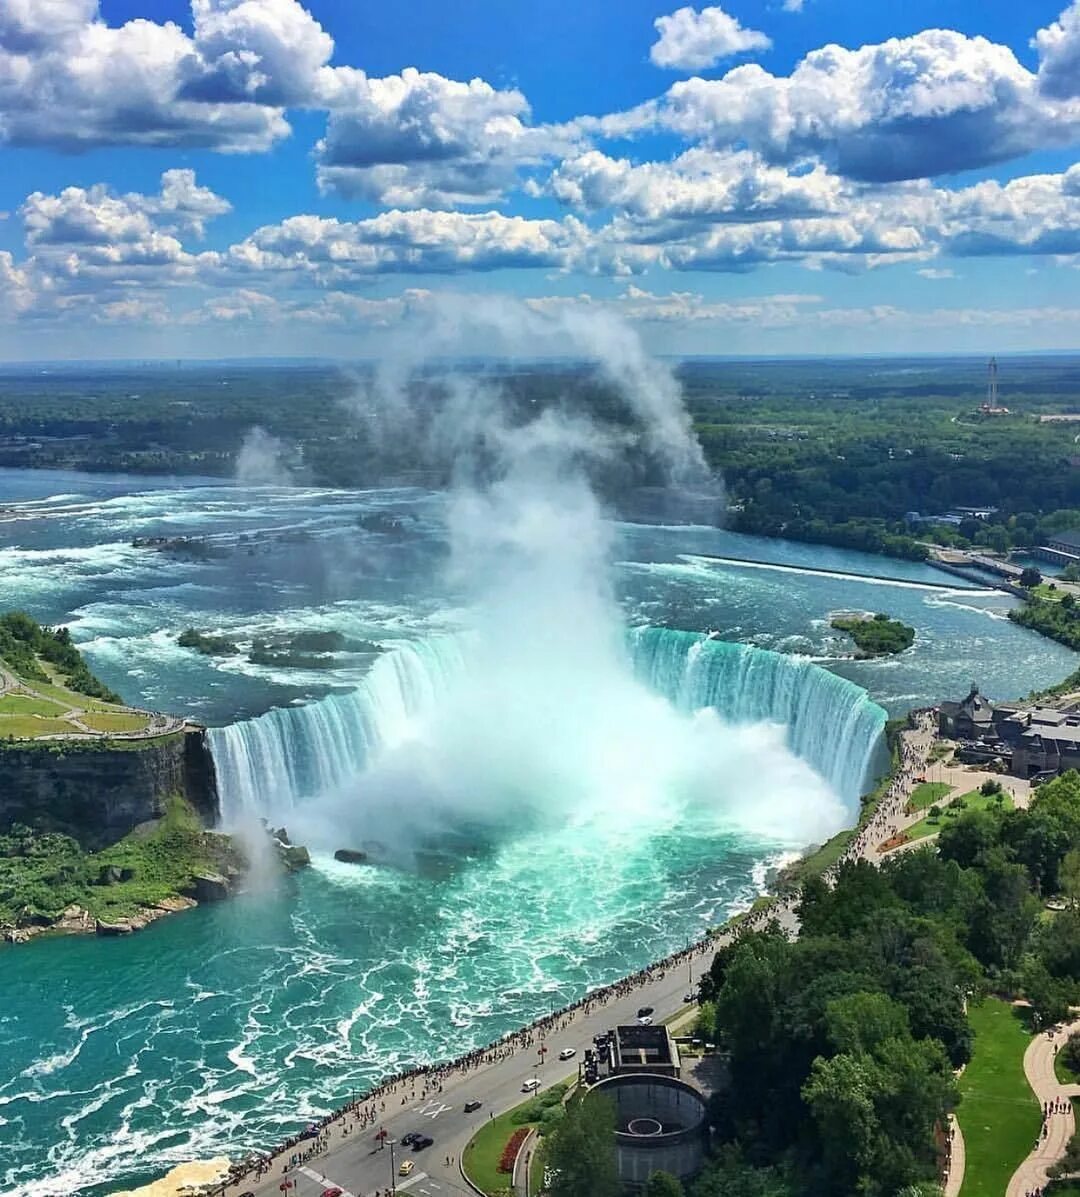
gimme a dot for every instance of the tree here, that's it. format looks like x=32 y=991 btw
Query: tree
x=1069 y=875
x=1030 y=577
x=581 y=1150
x=663 y=1184
x=990 y=787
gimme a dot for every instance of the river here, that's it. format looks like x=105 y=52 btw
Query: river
x=216 y=1031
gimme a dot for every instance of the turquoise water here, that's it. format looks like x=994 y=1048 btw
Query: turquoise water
x=219 y=1030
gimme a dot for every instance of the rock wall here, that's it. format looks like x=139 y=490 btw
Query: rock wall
x=97 y=793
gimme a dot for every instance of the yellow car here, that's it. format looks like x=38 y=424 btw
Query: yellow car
x=406 y=1168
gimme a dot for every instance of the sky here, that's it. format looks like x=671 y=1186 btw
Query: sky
x=224 y=178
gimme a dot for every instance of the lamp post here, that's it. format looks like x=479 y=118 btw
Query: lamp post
x=393 y=1169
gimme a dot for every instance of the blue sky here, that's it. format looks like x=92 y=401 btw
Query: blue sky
x=228 y=177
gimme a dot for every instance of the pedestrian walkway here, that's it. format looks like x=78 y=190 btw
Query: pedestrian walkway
x=1054 y=1098
x=954 y=1177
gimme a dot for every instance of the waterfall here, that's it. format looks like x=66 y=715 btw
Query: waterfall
x=831 y=723
x=295 y=753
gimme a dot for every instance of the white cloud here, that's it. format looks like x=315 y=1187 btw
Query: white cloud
x=1059 y=54
x=936 y=273
x=793 y=5
x=420 y=139
x=699 y=186
x=692 y=41
x=69 y=81
x=915 y=107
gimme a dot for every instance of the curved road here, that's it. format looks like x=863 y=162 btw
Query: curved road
x=355 y=1162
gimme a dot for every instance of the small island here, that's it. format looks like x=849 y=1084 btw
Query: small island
x=296 y=650
x=877 y=635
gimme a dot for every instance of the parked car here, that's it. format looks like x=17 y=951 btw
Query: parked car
x=531 y=1085
x=568 y=1053
x=471 y=1105
x=644 y=1020
x=406 y=1167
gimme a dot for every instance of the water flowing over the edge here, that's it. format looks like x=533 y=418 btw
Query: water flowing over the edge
x=295 y=753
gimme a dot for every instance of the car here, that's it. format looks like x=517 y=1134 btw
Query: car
x=471 y=1105
x=406 y=1167
x=568 y=1053
x=644 y=1020
x=531 y=1085
x=422 y=1141
x=411 y=1137
x=689 y=997
x=333 y=1192
x=645 y=1011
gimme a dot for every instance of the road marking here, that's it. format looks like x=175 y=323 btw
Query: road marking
x=432 y=1108
x=311 y=1174
x=415 y=1179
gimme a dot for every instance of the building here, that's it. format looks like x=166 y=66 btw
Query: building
x=660 y=1126
x=638 y=1049
x=1028 y=740
x=1063 y=548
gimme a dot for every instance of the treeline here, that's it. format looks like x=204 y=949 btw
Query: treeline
x=1057 y=618
x=841 y=1045
x=23 y=641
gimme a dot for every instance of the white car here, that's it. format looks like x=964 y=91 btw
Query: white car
x=568 y=1053
x=531 y=1085
x=645 y=1020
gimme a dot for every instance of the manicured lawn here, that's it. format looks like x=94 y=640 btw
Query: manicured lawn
x=485 y=1149
x=1064 y=1073
x=998 y=1113
x=118 y=721
x=28 y=704
x=28 y=727
x=972 y=801
x=926 y=793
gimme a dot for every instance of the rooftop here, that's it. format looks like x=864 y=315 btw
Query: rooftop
x=1070 y=538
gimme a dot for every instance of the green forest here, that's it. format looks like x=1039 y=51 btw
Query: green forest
x=837 y=452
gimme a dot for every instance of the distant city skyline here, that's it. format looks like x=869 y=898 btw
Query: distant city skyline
x=228 y=178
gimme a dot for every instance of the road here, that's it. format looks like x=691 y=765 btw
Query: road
x=355 y=1162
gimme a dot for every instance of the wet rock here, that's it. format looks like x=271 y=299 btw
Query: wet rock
x=350 y=856
x=210 y=887
x=104 y=928
x=295 y=856
x=74 y=918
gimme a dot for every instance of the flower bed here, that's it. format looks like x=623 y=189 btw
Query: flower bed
x=510 y=1151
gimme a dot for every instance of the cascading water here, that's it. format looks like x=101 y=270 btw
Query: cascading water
x=831 y=723
x=291 y=754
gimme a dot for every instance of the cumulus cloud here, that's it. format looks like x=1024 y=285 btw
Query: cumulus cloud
x=934 y=103
x=693 y=41
x=419 y=139
x=1059 y=54
x=700 y=185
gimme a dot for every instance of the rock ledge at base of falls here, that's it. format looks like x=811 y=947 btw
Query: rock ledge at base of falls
x=351 y=856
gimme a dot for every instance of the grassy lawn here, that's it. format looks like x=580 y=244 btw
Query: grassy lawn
x=28 y=727
x=972 y=801
x=1064 y=1074
x=926 y=793
x=115 y=721
x=998 y=1113
x=485 y=1148
x=28 y=704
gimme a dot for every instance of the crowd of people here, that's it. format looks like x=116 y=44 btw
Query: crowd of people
x=428 y=1079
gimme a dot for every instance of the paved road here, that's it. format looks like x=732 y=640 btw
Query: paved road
x=356 y=1163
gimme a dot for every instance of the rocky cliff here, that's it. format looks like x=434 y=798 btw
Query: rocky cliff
x=98 y=791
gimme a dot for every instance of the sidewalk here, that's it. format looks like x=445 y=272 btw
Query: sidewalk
x=1039 y=1070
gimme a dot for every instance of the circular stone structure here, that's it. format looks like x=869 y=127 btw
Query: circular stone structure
x=659 y=1126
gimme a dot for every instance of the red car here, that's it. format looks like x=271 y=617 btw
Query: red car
x=334 y=1192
